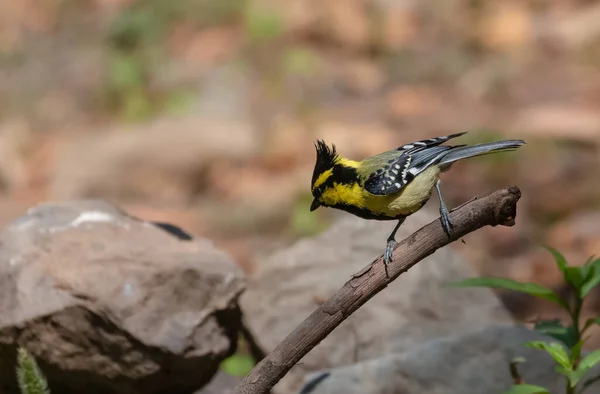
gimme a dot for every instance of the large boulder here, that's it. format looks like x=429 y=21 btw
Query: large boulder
x=111 y=304
x=474 y=362
x=413 y=309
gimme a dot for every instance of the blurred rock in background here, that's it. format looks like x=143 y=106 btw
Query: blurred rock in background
x=203 y=114
x=471 y=362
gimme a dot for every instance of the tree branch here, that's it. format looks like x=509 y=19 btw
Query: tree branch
x=498 y=208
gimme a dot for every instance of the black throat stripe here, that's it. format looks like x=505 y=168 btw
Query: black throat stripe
x=364 y=213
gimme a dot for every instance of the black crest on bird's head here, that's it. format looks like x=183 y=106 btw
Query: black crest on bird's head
x=326 y=157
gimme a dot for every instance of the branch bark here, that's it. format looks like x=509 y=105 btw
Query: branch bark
x=497 y=208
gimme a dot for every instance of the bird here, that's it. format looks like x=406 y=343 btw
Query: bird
x=394 y=184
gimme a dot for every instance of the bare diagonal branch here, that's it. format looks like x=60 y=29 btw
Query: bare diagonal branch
x=498 y=208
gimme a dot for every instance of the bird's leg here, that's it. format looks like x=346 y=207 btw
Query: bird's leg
x=444 y=214
x=391 y=241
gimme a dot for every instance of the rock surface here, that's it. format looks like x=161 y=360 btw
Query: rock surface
x=222 y=383
x=166 y=160
x=464 y=363
x=415 y=308
x=111 y=304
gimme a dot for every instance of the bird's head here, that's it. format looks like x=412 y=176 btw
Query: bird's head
x=324 y=168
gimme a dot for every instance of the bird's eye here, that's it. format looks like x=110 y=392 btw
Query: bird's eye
x=317 y=192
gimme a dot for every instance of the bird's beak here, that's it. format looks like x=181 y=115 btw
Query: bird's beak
x=315 y=204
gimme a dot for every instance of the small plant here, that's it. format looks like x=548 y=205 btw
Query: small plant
x=30 y=378
x=262 y=25
x=240 y=364
x=137 y=48
x=566 y=352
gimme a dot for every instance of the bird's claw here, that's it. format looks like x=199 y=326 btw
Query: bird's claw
x=447 y=223
x=389 y=250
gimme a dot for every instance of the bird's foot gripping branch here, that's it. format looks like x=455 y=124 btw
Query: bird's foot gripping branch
x=497 y=208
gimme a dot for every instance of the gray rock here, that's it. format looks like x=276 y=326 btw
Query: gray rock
x=464 y=363
x=166 y=160
x=222 y=383
x=111 y=304
x=413 y=309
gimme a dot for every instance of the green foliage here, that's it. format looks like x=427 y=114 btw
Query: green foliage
x=299 y=60
x=134 y=34
x=136 y=27
x=582 y=278
x=592 y=276
x=567 y=351
x=590 y=360
x=239 y=364
x=560 y=260
x=262 y=25
x=555 y=329
x=590 y=322
x=127 y=81
x=178 y=102
x=554 y=349
x=30 y=378
x=526 y=389
x=146 y=22
x=509 y=284
x=136 y=53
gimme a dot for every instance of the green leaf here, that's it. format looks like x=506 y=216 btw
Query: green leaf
x=576 y=350
x=583 y=278
x=238 y=365
x=555 y=329
x=590 y=321
x=593 y=280
x=590 y=360
x=526 y=389
x=509 y=284
x=589 y=285
x=561 y=262
x=592 y=261
x=29 y=376
x=572 y=376
x=575 y=276
x=556 y=350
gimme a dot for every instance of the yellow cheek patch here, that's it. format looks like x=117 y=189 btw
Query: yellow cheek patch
x=322 y=178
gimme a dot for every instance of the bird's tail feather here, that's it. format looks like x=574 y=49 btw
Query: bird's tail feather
x=463 y=152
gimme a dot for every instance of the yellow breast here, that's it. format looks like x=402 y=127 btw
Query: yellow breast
x=409 y=200
x=415 y=194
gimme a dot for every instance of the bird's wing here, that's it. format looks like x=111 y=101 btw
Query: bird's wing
x=390 y=171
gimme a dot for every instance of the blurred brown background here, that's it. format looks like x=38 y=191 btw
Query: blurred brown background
x=203 y=113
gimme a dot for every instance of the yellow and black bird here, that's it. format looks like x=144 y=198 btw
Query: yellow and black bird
x=394 y=184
